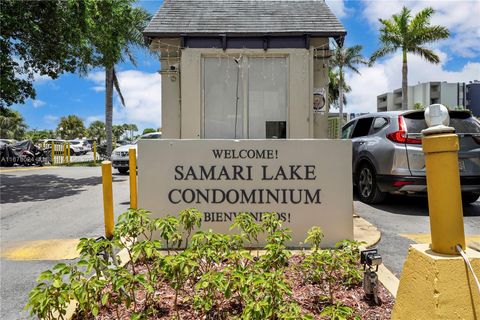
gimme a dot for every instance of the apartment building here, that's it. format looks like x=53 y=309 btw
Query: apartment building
x=450 y=94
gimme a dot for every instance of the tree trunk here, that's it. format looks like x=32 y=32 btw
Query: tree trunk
x=109 y=107
x=404 y=82
x=340 y=104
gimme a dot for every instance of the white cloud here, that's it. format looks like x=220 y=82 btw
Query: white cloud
x=38 y=103
x=143 y=97
x=90 y=119
x=338 y=8
x=386 y=76
x=460 y=17
x=51 y=119
x=98 y=89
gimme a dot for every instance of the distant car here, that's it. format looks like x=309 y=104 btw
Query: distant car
x=123 y=142
x=120 y=157
x=46 y=144
x=8 y=141
x=79 y=146
x=388 y=156
x=76 y=146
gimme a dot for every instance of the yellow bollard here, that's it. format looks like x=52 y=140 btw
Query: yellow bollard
x=444 y=192
x=132 y=163
x=53 y=152
x=435 y=282
x=107 y=198
x=64 y=153
x=94 y=152
x=68 y=152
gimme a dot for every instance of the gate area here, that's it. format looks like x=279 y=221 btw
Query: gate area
x=64 y=153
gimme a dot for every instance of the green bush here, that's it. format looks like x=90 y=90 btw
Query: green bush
x=215 y=268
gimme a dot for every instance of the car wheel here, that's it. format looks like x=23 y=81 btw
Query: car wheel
x=122 y=170
x=469 y=197
x=367 y=187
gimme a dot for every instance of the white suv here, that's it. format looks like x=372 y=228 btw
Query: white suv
x=120 y=154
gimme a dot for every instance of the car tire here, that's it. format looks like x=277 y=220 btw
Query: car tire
x=367 y=187
x=123 y=170
x=469 y=197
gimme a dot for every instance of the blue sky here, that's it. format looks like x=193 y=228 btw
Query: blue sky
x=141 y=84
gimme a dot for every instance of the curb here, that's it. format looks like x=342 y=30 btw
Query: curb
x=364 y=231
x=367 y=232
x=388 y=279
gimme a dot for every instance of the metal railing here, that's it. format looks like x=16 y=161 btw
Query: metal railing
x=58 y=153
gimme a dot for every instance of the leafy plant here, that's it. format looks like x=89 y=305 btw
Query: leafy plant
x=214 y=270
x=49 y=299
x=338 y=312
x=246 y=224
x=315 y=237
x=168 y=228
x=190 y=218
x=176 y=271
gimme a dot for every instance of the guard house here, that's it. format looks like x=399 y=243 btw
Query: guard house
x=244 y=69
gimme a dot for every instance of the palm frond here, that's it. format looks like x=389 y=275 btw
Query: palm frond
x=430 y=34
x=421 y=20
x=116 y=84
x=383 y=51
x=427 y=54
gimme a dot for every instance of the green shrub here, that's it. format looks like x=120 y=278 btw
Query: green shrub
x=214 y=268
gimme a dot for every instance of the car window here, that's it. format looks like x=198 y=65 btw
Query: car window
x=378 y=124
x=362 y=128
x=347 y=129
x=152 y=136
x=458 y=121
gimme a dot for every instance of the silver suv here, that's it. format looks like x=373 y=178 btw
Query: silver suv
x=388 y=156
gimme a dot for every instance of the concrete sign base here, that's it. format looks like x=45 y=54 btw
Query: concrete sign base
x=437 y=286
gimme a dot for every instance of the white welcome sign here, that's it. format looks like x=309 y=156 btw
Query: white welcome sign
x=306 y=182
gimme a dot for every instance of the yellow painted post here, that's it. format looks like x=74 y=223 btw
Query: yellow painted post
x=53 y=152
x=107 y=198
x=68 y=151
x=95 y=152
x=444 y=195
x=64 y=153
x=132 y=163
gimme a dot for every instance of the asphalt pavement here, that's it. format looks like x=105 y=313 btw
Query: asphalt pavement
x=39 y=204
x=401 y=219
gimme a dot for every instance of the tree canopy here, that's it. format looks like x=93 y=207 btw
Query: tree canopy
x=410 y=35
x=12 y=124
x=71 y=127
x=96 y=130
x=345 y=58
x=40 y=38
x=148 y=130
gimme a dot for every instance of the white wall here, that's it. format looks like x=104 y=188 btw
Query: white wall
x=182 y=100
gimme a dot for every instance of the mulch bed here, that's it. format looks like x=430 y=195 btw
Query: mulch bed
x=305 y=294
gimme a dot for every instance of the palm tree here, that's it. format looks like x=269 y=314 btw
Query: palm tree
x=117 y=31
x=345 y=59
x=12 y=125
x=71 y=127
x=96 y=131
x=117 y=131
x=410 y=35
x=333 y=89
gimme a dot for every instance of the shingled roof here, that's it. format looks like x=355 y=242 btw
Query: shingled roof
x=244 y=17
